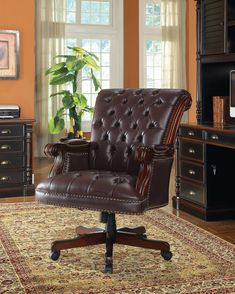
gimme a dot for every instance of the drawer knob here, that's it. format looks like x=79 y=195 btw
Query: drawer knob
x=192 y=172
x=4 y=179
x=5 y=162
x=214 y=137
x=191 y=151
x=5 y=132
x=5 y=147
x=192 y=193
x=191 y=133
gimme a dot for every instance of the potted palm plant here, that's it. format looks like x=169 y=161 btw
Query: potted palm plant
x=69 y=71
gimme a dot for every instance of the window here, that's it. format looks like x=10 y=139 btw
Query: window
x=96 y=25
x=150 y=43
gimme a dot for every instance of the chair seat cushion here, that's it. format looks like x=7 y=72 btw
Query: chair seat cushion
x=95 y=190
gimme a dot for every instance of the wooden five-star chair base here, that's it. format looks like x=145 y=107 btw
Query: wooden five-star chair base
x=93 y=236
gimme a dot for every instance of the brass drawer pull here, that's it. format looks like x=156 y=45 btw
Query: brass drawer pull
x=192 y=193
x=191 y=133
x=214 y=137
x=4 y=179
x=5 y=162
x=5 y=132
x=192 y=172
x=191 y=151
x=5 y=147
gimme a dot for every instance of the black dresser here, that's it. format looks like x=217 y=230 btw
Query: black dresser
x=16 y=177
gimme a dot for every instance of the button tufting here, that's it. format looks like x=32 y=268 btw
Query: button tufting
x=108 y=99
x=146 y=113
x=140 y=138
x=141 y=101
x=155 y=92
x=129 y=112
x=106 y=136
x=129 y=151
x=111 y=112
x=134 y=126
x=117 y=124
x=123 y=137
x=151 y=126
x=159 y=101
x=112 y=149
x=119 y=180
x=124 y=101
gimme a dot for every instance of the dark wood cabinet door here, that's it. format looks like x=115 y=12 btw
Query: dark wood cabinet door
x=213 y=27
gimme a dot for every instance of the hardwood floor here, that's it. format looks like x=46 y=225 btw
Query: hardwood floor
x=224 y=229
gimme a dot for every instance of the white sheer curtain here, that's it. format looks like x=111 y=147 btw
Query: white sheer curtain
x=173 y=22
x=50 y=35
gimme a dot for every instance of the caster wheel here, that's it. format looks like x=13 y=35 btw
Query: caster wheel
x=54 y=255
x=108 y=269
x=167 y=255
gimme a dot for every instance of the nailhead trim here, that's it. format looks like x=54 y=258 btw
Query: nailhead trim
x=93 y=209
x=88 y=196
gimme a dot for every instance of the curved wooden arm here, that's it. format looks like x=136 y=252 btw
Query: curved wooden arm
x=154 y=174
x=68 y=155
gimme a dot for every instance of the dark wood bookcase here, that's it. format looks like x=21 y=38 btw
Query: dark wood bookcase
x=205 y=155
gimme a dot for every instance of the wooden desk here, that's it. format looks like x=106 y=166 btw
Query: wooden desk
x=205 y=171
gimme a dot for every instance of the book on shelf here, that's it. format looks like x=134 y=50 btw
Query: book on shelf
x=220 y=109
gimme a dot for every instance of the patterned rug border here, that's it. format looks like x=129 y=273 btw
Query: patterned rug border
x=227 y=253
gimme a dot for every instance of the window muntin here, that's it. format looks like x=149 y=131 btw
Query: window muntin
x=150 y=43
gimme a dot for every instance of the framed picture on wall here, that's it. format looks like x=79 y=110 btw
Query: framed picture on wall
x=9 y=54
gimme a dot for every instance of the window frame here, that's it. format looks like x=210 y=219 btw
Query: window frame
x=114 y=33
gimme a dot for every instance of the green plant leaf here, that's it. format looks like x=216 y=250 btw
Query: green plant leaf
x=55 y=67
x=68 y=101
x=59 y=80
x=70 y=62
x=56 y=125
x=91 y=62
x=80 y=100
x=96 y=82
x=62 y=72
x=64 y=92
x=79 y=64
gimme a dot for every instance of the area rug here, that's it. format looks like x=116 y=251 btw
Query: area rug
x=201 y=263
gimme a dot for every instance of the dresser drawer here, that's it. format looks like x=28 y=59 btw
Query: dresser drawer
x=10 y=177
x=191 y=171
x=11 y=161
x=11 y=146
x=188 y=132
x=191 y=150
x=11 y=131
x=195 y=193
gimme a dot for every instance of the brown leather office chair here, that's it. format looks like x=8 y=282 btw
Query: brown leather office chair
x=124 y=169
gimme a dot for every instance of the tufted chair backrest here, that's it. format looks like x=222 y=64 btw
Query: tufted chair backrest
x=124 y=119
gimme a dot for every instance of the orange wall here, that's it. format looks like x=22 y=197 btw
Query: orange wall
x=131 y=43
x=191 y=55
x=19 y=15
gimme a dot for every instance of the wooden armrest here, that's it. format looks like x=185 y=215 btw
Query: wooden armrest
x=148 y=154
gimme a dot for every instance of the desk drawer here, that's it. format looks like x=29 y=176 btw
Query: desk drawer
x=191 y=171
x=192 y=133
x=191 y=150
x=192 y=192
x=11 y=161
x=11 y=146
x=11 y=177
x=11 y=131
x=220 y=138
